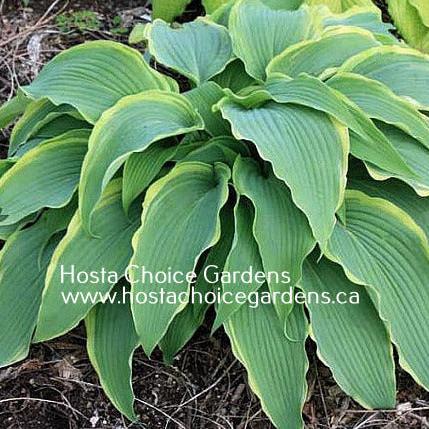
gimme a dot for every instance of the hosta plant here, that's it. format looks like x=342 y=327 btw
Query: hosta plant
x=297 y=142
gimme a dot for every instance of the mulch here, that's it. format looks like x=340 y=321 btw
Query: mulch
x=206 y=387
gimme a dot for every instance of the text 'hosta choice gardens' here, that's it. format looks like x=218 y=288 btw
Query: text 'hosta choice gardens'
x=297 y=143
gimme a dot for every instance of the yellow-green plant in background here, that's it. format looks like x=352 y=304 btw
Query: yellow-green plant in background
x=411 y=17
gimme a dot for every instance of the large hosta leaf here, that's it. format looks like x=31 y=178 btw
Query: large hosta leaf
x=186 y=202
x=93 y=76
x=310 y=91
x=109 y=252
x=243 y=256
x=46 y=176
x=130 y=126
x=198 y=49
x=259 y=33
x=315 y=56
x=190 y=319
x=351 y=338
x=379 y=102
x=382 y=247
x=308 y=150
x=111 y=341
x=280 y=228
x=23 y=263
x=276 y=365
x=383 y=63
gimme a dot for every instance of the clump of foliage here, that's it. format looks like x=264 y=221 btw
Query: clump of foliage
x=412 y=19
x=118 y=26
x=303 y=145
x=81 y=20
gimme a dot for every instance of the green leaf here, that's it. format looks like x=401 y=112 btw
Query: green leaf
x=409 y=23
x=198 y=49
x=368 y=18
x=185 y=324
x=383 y=63
x=234 y=77
x=93 y=76
x=35 y=112
x=7 y=230
x=5 y=165
x=111 y=341
x=211 y=5
x=203 y=98
x=259 y=33
x=168 y=9
x=79 y=252
x=399 y=194
x=379 y=102
x=142 y=168
x=181 y=329
x=338 y=6
x=243 y=256
x=351 y=338
x=130 y=126
x=315 y=56
x=10 y=110
x=422 y=9
x=414 y=153
x=276 y=366
x=186 y=202
x=221 y=14
x=383 y=248
x=280 y=228
x=287 y=135
x=218 y=149
x=23 y=263
x=55 y=128
x=311 y=92
x=137 y=34
x=46 y=176
x=212 y=153
x=36 y=116
x=238 y=146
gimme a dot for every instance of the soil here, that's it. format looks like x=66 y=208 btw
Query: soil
x=205 y=388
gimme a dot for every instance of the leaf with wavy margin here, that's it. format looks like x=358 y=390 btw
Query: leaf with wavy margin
x=351 y=338
x=382 y=247
x=130 y=126
x=93 y=76
x=187 y=202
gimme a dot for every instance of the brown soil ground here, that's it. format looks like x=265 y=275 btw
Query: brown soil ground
x=56 y=387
